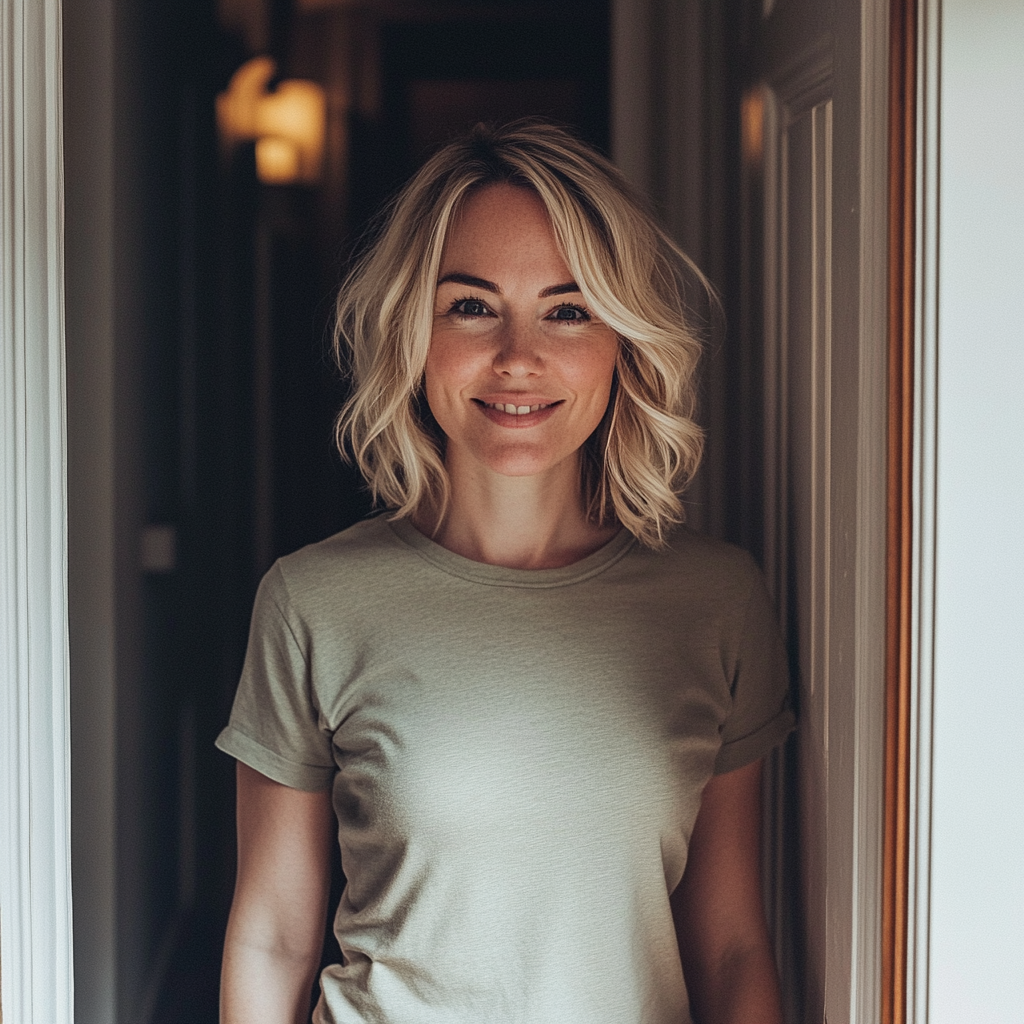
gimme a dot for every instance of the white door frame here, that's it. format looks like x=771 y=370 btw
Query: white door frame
x=35 y=863
x=35 y=851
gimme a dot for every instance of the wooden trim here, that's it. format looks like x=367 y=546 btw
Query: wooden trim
x=899 y=512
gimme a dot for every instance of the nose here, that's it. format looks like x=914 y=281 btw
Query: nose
x=519 y=351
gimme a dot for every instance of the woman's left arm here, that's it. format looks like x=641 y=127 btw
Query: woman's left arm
x=723 y=939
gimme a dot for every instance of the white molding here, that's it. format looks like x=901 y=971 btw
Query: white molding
x=35 y=875
x=807 y=83
x=870 y=565
x=798 y=488
x=926 y=350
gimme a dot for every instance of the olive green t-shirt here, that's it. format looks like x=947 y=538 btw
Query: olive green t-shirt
x=517 y=758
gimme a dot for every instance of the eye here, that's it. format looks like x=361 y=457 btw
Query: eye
x=569 y=313
x=470 y=308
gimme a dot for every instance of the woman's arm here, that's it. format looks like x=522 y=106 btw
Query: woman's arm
x=276 y=927
x=723 y=939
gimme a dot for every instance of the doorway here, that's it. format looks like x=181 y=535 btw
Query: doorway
x=216 y=292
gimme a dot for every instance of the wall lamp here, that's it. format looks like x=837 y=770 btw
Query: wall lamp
x=287 y=123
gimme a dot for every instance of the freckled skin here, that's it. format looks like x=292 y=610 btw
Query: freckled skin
x=514 y=344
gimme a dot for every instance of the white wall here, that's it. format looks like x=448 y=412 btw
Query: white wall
x=977 y=897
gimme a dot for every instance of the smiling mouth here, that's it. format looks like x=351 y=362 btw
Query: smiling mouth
x=516 y=410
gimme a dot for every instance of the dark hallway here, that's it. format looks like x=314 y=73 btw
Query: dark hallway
x=224 y=281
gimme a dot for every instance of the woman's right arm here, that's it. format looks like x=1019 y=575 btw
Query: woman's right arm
x=276 y=927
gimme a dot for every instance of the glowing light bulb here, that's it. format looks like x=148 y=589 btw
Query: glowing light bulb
x=277 y=161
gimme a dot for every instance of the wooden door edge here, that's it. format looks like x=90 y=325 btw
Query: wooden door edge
x=899 y=506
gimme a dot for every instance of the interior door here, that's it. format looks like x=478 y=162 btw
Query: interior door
x=814 y=174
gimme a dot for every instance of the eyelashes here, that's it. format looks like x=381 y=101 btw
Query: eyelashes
x=471 y=308
x=468 y=301
x=570 y=307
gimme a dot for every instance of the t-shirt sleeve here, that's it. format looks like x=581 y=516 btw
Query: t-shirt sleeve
x=761 y=715
x=275 y=724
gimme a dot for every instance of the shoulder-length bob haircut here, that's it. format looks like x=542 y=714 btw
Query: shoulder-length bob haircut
x=631 y=275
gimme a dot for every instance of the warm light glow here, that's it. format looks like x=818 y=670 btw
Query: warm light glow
x=277 y=161
x=752 y=121
x=236 y=108
x=296 y=112
x=287 y=124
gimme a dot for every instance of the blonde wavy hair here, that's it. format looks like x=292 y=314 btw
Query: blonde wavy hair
x=647 y=447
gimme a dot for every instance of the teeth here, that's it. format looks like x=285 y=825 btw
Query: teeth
x=514 y=410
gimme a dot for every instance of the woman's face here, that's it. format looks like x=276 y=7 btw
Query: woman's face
x=511 y=332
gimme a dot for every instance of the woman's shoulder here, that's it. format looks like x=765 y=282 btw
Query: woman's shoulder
x=693 y=553
x=348 y=561
x=715 y=586
x=698 y=570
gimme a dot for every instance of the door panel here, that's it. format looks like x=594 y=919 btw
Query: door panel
x=806 y=335
x=798 y=279
x=814 y=187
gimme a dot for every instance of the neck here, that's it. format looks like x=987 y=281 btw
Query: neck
x=532 y=522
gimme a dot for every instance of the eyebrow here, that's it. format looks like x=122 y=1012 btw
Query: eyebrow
x=489 y=286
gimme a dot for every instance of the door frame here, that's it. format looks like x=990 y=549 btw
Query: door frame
x=35 y=849
x=35 y=863
x=913 y=338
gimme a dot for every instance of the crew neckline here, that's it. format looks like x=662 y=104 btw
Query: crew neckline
x=502 y=576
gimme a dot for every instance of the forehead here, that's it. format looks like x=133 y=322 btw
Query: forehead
x=501 y=226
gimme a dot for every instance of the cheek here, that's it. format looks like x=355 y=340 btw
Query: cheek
x=448 y=369
x=592 y=373
x=603 y=372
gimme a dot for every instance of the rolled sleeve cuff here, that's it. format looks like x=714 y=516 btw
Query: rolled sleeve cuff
x=747 y=749
x=309 y=777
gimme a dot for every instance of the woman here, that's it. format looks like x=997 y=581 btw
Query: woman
x=525 y=699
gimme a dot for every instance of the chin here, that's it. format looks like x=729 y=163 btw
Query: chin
x=518 y=467
x=525 y=463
